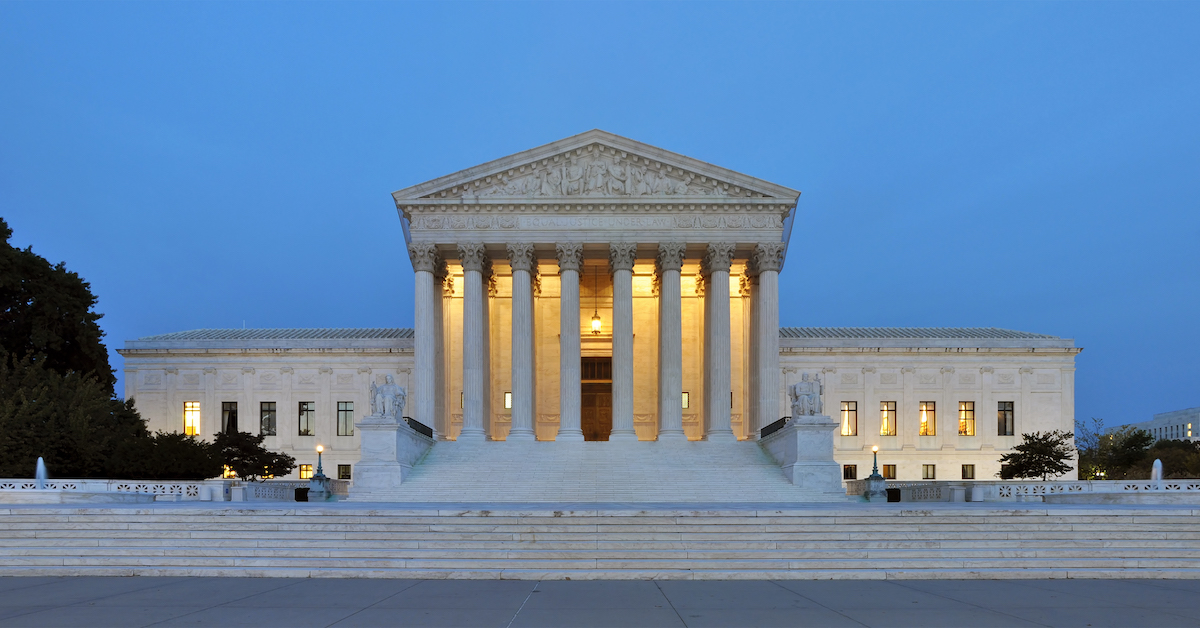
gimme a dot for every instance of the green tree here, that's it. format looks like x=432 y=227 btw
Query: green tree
x=1039 y=454
x=244 y=454
x=46 y=314
x=1180 y=459
x=1112 y=455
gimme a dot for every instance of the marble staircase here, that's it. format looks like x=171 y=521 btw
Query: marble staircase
x=396 y=541
x=627 y=472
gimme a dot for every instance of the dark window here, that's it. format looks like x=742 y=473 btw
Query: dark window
x=1004 y=418
x=887 y=418
x=229 y=417
x=929 y=472
x=849 y=472
x=968 y=472
x=266 y=418
x=1004 y=471
x=928 y=418
x=966 y=418
x=889 y=471
x=308 y=418
x=343 y=472
x=849 y=418
x=345 y=418
x=596 y=369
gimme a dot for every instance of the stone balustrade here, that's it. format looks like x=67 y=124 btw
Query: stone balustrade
x=1022 y=490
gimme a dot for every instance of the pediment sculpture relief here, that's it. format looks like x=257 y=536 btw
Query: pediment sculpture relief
x=595 y=171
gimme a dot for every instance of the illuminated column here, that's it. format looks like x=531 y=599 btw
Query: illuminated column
x=440 y=427
x=425 y=261
x=767 y=260
x=570 y=261
x=621 y=258
x=750 y=295
x=524 y=263
x=715 y=269
x=473 y=258
x=670 y=342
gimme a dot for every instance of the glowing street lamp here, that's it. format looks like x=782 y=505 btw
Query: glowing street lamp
x=876 y=485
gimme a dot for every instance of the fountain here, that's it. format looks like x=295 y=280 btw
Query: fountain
x=40 y=474
x=1156 y=474
x=42 y=495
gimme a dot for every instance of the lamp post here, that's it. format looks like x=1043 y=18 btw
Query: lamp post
x=876 y=484
x=318 y=485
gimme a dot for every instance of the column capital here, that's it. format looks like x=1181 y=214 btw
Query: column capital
x=474 y=256
x=424 y=257
x=570 y=256
x=767 y=256
x=718 y=258
x=621 y=256
x=670 y=256
x=522 y=257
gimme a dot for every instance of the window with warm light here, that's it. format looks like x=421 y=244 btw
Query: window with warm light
x=928 y=418
x=306 y=472
x=508 y=401
x=229 y=419
x=228 y=473
x=308 y=418
x=345 y=418
x=687 y=400
x=966 y=418
x=849 y=418
x=887 y=418
x=191 y=418
x=266 y=418
x=889 y=471
x=849 y=472
x=968 y=472
x=929 y=472
x=1004 y=418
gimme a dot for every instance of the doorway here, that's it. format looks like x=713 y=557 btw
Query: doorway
x=596 y=409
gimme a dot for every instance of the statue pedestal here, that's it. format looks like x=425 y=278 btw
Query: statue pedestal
x=804 y=450
x=388 y=450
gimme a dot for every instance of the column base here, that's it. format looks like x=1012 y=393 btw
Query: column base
x=572 y=436
x=672 y=435
x=475 y=436
x=725 y=436
x=522 y=435
x=626 y=436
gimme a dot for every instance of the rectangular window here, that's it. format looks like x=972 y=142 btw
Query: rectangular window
x=928 y=418
x=966 y=418
x=849 y=472
x=929 y=472
x=1004 y=471
x=849 y=418
x=343 y=472
x=887 y=418
x=308 y=418
x=191 y=418
x=1004 y=418
x=889 y=471
x=968 y=472
x=306 y=472
x=229 y=417
x=266 y=418
x=687 y=400
x=345 y=418
x=508 y=401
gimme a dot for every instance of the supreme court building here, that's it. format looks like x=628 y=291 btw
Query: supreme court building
x=600 y=289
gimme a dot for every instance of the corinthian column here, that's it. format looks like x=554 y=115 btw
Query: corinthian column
x=767 y=260
x=715 y=269
x=670 y=342
x=621 y=258
x=524 y=263
x=570 y=260
x=473 y=258
x=425 y=261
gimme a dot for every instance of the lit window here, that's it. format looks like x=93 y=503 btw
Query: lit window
x=1004 y=418
x=849 y=418
x=345 y=418
x=229 y=424
x=308 y=412
x=306 y=472
x=687 y=400
x=191 y=418
x=266 y=418
x=929 y=472
x=343 y=472
x=889 y=471
x=968 y=472
x=849 y=472
x=887 y=418
x=966 y=418
x=228 y=473
x=508 y=401
x=928 y=418
x=462 y=400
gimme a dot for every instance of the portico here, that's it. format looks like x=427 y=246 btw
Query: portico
x=679 y=260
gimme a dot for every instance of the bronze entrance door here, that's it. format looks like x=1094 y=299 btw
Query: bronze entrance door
x=595 y=417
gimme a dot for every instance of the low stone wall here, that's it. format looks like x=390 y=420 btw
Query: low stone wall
x=1137 y=491
x=181 y=490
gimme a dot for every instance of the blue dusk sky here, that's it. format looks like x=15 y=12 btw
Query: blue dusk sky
x=1033 y=166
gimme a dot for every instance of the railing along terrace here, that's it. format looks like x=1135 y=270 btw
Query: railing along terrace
x=419 y=427
x=774 y=427
x=182 y=490
x=1019 y=490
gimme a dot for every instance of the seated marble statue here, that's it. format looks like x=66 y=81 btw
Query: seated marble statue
x=806 y=396
x=388 y=400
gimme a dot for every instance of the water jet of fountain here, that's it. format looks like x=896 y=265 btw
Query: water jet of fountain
x=41 y=474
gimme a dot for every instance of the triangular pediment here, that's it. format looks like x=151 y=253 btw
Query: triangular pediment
x=595 y=164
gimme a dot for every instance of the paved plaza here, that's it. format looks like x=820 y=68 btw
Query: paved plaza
x=263 y=602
